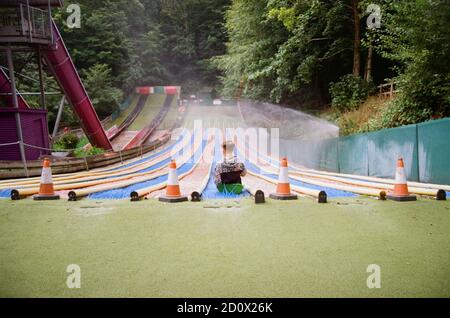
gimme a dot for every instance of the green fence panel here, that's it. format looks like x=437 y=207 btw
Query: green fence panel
x=126 y=103
x=424 y=148
x=122 y=107
x=434 y=151
x=354 y=155
x=316 y=154
x=159 y=90
x=115 y=115
x=386 y=146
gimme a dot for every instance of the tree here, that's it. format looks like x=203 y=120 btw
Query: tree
x=104 y=96
x=357 y=39
x=416 y=37
x=287 y=50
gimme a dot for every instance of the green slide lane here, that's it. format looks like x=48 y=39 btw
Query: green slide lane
x=151 y=109
x=171 y=116
x=124 y=114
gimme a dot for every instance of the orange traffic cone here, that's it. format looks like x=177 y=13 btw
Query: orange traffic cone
x=284 y=186
x=401 y=192
x=173 y=193
x=46 y=191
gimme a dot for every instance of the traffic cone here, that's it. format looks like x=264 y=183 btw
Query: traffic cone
x=46 y=191
x=283 y=187
x=173 y=193
x=401 y=192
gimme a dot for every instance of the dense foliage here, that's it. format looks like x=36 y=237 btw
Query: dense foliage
x=68 y=141
x=305 y=53
x=349 y=92
x=123 y=44
x=417 y=37
x=283 y=50
x=148 y=42
x=291 y=51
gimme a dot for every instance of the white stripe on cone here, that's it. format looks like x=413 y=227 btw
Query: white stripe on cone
x=46 y=177
x=400 y=176
x=284 y=176
x=173 y=177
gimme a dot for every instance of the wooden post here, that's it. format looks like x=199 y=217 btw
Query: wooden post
x=357 y=39
x=368 y=74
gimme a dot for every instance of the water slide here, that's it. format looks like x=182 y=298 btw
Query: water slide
x=131 y=117
x=146 y=177
x=145 y=133
x=62 y=67
x=5 y=87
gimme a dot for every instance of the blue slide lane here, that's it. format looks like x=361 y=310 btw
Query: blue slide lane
x=157 y=165
x=332 y=193
x=159 y=153
x=6 y=193
x=211 y=191
x=276 y=163
x=124 y=193
x=354 y=179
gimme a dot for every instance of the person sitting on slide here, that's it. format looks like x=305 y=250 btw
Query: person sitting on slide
x=228 y=173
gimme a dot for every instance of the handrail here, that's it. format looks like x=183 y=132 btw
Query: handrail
x=392 y=89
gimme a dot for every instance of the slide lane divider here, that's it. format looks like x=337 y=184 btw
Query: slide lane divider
x=369 y=187
x=157 y=181
x=343 y=182
x=69 y=184
x=119 y=190
x=140 y=163
x=131 y=117
x=24 y=192
x=145 y=133
x=426 y=189
x=296 y=185
x=191 y=182
x=152 y=164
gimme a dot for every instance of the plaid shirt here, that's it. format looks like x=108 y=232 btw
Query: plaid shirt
x=228 y=165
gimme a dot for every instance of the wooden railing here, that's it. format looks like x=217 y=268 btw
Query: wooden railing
x=388 y=90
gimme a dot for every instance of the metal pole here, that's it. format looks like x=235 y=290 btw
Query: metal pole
x=30 y=94
x=41 y=80
x=30 y=27
x=58 y=117
x=50 y=24
x=16 y=106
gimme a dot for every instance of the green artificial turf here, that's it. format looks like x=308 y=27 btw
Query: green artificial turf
x=171 y=116
x=225 y=248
